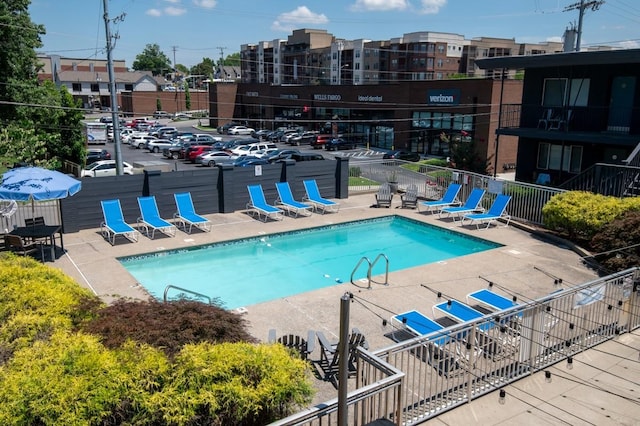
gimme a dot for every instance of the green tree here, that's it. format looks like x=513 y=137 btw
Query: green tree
x=18 y=63
x=232 y=60
x=182 y=69
x=158 y=104
x=204 y=68
x=464 y=156
x=152 y=59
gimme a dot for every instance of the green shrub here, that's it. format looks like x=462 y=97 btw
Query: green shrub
x=355 y=172
x=234 y=384
x=36 y=301
x=581 y=214
x=167 y=326
x=72 y=379
x=616 y=241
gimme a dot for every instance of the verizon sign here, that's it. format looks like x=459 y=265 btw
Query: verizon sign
x=443 y=97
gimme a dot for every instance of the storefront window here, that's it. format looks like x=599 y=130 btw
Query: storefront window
x=557 y=157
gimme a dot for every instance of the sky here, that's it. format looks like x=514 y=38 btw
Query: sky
x=190 y=30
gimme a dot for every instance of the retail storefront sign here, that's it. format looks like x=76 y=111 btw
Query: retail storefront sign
x=443 y=97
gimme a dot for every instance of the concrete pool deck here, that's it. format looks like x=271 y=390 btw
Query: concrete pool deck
x=525 y=266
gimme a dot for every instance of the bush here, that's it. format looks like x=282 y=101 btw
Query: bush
x=619 y=236
x=36 y=301
x=355 y=172
x=581 y=214
x=167 y=326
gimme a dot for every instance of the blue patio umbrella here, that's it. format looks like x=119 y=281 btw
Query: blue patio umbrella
x=36 y=184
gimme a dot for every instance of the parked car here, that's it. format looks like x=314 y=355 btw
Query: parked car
x=222 y=130
x=281 y=154
x=339 y=143
x=203 y=138
x=402 y=155
x=265 y=153
x=94 y=155
x=181 y=116
x=158 y=145
x=174 y=151
x=213 y=158
x=161 y=114
x=247 y=162
x=240 y=130
x=252 y=148
x=229 y=145
x=140 y=141
x=193 y=151
x=305 y=138
x=160 y=131
x=261 y=134
x=303 y=156
x=105 y=168
x=321 y=140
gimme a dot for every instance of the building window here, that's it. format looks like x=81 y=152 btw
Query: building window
x=357 y=53
x=128 y=87
x=74 y=66
x=440 y=63
x=557 y=157
x=554 y=91
x=579 y=92
x=95 y=87
x=430 y=63
x=441 y=48
x=76 y=87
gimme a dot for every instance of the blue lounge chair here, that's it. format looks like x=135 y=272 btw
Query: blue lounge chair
x=114 y=223
x=491 y=300
x=186 y=214
x=496 y=211
x=457 y=311
x=450 y=198
x=420 y=325
x=471 y=205
x=259 y=205
x=286 y=201
x=150 y=218
x=316 y=200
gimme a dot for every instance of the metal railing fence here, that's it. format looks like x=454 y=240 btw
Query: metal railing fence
x=421 y=377
x=432 y=181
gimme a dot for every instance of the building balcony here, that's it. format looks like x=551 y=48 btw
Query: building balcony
x=580 y=124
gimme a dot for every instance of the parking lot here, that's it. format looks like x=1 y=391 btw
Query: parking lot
x=132 y=155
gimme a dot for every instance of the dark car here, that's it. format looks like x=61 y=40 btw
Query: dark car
x=94 y=155
x=339 y=143
x=251 y=162
x=176 y=150
x=321 y=140
x=281 y=154
x=305 y=138
x=402 y=155
x=303 y=156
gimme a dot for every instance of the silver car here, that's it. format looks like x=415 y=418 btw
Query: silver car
x=213 y=158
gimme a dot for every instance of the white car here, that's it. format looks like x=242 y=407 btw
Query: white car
x=213 y=158
x=251 y=149
x=158 y=145
x=265 y=153
x=105 y=168
x=140 y=141
x=240 y=130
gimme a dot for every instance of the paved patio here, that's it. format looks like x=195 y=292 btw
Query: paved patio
x=525 y=266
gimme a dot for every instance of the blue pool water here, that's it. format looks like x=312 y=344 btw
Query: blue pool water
x=253 y=270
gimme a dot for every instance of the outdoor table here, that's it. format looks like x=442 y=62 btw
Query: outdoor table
x=41 y=232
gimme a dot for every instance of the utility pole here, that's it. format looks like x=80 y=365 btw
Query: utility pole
x=175 y=70
x=115 y=119
x=220 y=64
x=581 y=7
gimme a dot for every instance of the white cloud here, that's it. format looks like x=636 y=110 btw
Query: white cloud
x=174 y=11
x=173 y=1
x=432 y=6
x=301 y=16
x=206 y=4
x=154 y=12
x=379 y=5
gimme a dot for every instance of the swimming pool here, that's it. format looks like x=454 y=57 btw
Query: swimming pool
x=253 y=270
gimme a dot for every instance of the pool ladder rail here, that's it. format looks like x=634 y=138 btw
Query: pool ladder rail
x=371 y=265
x=184 y=290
